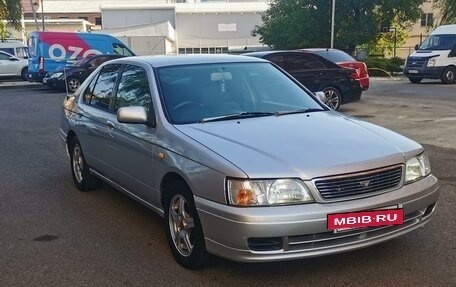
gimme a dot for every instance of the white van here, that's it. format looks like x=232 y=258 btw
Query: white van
x=435 y=58
x=15 y=48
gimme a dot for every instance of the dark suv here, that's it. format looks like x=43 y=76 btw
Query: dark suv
x=317 y=74
x=70 y=77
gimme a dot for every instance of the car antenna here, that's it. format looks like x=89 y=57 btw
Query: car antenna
x=66 y=83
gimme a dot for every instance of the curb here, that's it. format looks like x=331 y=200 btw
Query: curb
x=17 y=85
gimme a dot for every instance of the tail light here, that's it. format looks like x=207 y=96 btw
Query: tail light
x=41 y=65
x=354 y=74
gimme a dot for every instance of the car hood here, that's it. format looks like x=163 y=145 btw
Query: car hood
x=302 y=145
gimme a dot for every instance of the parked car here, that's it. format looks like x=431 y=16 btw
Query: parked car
x=11 y=66
x=15 y=48
x=70 y=77
x=345 y=60
x=241 y=160
x=317 y=74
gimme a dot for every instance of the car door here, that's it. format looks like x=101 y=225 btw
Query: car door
x=130 y=151
x=92 y=130
x=7 y=66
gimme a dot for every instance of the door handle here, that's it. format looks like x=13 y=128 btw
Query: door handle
x=110 y=125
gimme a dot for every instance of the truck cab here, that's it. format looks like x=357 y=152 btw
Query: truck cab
x=435 y=58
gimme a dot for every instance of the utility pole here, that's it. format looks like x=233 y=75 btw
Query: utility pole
x=34 y=14
x=333 y=14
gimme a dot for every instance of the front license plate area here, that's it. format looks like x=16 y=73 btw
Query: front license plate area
x=413 y=71
x=344 y=222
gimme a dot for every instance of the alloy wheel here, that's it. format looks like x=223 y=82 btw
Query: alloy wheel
x=78 y=163
x=181 y=225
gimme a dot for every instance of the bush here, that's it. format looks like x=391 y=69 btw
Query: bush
x=378 y=66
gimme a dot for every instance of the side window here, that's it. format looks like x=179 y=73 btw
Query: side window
x=99 y=93
x=22 y=52
x=4 y=56
x=133 y=88
x=120 y=49
x=303 y=61
x=8 y=50
x=277 y=59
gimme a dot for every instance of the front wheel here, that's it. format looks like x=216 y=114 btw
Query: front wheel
x=183 y=227
x=24 y=74
x=82 y=177
x=449 y=75
x=333 y=98
x=415 y=80
x=73 y=84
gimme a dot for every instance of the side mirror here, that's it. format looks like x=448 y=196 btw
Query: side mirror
x=417 y=47
x=13 y=59
x=135 y=115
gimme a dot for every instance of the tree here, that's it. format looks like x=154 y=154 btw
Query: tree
x=290 y=24
x=448 y=8
x=11 y=11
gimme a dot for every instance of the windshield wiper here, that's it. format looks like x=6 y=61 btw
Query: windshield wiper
x=240 y=115
x=300 y=111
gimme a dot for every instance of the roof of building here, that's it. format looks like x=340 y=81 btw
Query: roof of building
x=95 y=6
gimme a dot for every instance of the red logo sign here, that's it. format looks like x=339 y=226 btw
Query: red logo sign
x=366 y=219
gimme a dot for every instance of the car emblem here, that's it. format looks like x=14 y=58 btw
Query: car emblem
x=413 y=63
x=365 y=183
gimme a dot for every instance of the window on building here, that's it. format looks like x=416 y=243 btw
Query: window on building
x=427 y=19
x=84 y=18
x=64 y=17
x=98 y=21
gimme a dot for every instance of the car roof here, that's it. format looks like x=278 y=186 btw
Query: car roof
x=193 y=59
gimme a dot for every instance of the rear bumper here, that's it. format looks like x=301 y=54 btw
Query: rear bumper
x=351 y=94
x=300 y=231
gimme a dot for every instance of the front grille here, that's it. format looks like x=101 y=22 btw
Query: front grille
x=415 y=62
x=359 y=184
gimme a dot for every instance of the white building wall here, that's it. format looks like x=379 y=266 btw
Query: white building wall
x=134 y=17
x=217 y=29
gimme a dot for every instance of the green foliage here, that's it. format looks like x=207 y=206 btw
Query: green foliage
x=448 y=8
x=289 y=24
x=11 y=11
x=379 y=66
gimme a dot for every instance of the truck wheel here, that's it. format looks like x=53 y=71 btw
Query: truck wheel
x=415 y=80
x=448 y=75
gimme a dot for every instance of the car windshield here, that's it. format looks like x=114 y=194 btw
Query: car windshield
x=227 y=91
x=81 y=61
x=439 y=42
x=335 y=55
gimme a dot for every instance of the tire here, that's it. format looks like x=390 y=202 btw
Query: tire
x=83 y=179
x=415 y=80
x=333 y=99
x=73 y=84
x=449 y=75
x=24 y=74
x=183 y=227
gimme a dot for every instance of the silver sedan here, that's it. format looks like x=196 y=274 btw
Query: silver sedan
x=241 y=160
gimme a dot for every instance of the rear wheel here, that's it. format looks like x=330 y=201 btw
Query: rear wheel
x=415 y=80
x=333 y=98
x=24 y=74
x=82 y=177
x=449 y=75
x=73 y=84
x=183 y=227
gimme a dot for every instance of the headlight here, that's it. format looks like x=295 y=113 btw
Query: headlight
x=56 y=75
x=417 y=168
x=267 y=192
x=431 y=62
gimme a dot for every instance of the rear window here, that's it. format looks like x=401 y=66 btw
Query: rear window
x=335 y=56
x=32 y=46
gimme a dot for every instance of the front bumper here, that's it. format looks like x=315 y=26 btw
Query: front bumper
x=300 y=231
x=36 y=77
x=423 y=72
